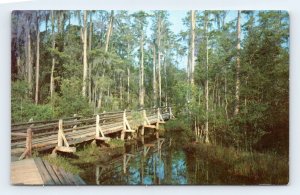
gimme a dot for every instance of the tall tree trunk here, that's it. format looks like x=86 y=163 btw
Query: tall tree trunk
x=188 y=70
x=19 y=68
x=29 y=59
x=128 y=86
x=100 y=99
x=159 y=79
x=121 y=90
x=95 y=97
x=165 y=80
x=193 y=24
x=225 y=91
x=90 y=63
x=53 y=58
x=37 y=70
x=46 y=22
x=238 y=66
x=84 y=83
x=128 y=75
x=159 y=55
x=206 y=84
x=109 y=30
x=142 y=90
x=154 y=77
x=60 y=17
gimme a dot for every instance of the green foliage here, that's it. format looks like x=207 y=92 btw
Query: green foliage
x=137 y=119
x=91 y=153
x=88 y=154
x=116 y=143
x=23 y=109
x=178 y=124
x=71 y=101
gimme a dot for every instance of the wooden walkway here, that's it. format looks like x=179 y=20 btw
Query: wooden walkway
x=25 y=172
x=40 y=172
x=63 y=135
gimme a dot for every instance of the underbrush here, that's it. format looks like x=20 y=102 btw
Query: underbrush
x=89 y=154
x=177 y=125
x=259 y=168
x=116 y=143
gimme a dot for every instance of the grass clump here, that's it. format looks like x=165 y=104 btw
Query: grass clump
x=64 y=163
x=89 y=154
x=116 y=143
x=92 y=153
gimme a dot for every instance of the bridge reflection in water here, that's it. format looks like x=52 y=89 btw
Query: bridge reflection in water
x=161 y=161
x=143 y=163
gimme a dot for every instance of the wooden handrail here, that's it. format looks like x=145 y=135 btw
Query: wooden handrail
x=69 y=129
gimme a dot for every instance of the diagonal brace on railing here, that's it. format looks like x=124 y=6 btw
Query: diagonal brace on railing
x=61 y=138
x=171 y=115
x=159 y=116
x=62 y=142
x=146 y=120
x=126 y=126
x=99 y=130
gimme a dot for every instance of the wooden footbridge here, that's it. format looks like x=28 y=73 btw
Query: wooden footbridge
x=64 y=134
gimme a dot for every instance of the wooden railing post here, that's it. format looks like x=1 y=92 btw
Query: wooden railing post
x=75 y=126
x=97 y=126
x=29 y=142
x=146 y=120
x=59 y=135
x=144 y=123
x=99 y=133
x=124 y=125
x=157 y=120
x=62 y=142
x=161 y=117
x=28 y=150
x=170 y=112
x=171 y=115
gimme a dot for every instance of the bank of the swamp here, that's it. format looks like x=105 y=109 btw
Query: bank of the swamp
x=243 y=167
x=231 y=166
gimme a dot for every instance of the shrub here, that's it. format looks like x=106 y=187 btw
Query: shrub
x=22 y=107
x=71 y=100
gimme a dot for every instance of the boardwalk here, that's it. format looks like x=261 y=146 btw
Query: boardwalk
x=25 y=172
x=63 y=135
x=40 y=172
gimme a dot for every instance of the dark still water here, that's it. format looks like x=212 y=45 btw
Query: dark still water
x=158 y=162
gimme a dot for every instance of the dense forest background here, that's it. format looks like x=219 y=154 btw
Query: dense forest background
x=234 y=89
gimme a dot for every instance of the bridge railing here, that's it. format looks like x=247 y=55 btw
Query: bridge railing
x=69 y=130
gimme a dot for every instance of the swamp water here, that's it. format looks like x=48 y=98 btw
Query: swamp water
x=159 y=162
